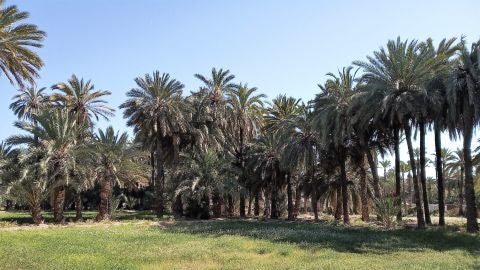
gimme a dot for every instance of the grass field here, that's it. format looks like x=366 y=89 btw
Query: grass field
x=231 y=244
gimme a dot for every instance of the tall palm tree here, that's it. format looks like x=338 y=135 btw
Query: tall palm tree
x=464 y=98
x=18 y=62
x=300 y=153
x=218 y=85
x=82 y=100
x=246 y=109
x=56 y=134
x=401 y=72
x=157 y=110
x=331 y=113
x=115 y=162
x=29 y=101
x=437 y=107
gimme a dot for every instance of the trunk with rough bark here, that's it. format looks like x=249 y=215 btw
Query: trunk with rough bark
x=338 y=204
x=58 y=204
x=373 y=169
x=298 y=199
x=423 y=174
x=289 y=197
x=266 y=204
x=217 y=204
x=105 y=193
x=36 y=212
x=242 y=204
x=273 y=200
x=416 y=188
x=159 y=181
x=256 y=204
x=343 y=178
x=471 y=213
x=460 y=194
x=440 y=182
x=230 y=206
x=78 y=206
x=364 y=190
x=249 y=208
x=396 y=138
x=314 y=202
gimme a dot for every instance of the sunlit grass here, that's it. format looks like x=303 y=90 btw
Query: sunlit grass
x=235 y=244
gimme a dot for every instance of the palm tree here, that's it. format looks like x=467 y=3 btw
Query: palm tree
x=401 y=72
x=82 y=100
x=464 y=104
x=385 y=164
x=157 y=111
x=246 y=109
x=218 y=85
x=437 y=108
x=205 y=176
x=29 y=101
x=115 y=162
x=277 y=118
x=18 y=61
x=300 y=153
x=455 y=164
x=331 y=113
x=56 y=134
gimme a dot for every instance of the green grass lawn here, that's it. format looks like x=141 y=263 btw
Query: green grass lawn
x=233 y=244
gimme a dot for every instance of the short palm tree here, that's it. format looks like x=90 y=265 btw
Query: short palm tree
x=56 y=133
x=115 y=160
x=157 y=111
x=18 y=62
x=455 y=164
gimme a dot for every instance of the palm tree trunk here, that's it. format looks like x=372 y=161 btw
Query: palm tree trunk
x=78 y=206
x=266 y=204
x=58 y=204
x=250 y=201
x=177 y=206
x=298 y=199
x=460 y=193
x=338 y=204
x=471 y=214
x=289 y=197
x=231 y=205
x=152 y=164
x=256 y=204
x=105 y=193
x=440 y=183
x=159 y=181
x=416 y=188
x=396 y=138
x=36 y=212
x=423 y=174
x=242 y=204
x=373 y=169
x=273 y=199
x=364 y=190
x=343 y=178
x=314 y=202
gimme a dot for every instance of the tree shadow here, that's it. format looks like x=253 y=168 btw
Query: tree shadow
x=314 y=236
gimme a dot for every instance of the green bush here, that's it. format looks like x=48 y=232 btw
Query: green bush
x=387 y=208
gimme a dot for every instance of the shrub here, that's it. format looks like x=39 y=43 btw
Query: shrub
x=387 y=208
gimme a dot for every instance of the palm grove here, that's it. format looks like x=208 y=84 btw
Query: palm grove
x=224 y=150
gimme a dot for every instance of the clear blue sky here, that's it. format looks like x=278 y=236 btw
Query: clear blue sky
x=278 y=46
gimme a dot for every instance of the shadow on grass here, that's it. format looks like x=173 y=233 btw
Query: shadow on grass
x=24 y=217
x=315 y=236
